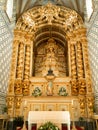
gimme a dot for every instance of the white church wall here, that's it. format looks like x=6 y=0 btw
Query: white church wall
x=6 y=37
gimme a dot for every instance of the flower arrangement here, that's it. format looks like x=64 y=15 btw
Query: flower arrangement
x=62 y=92
x=37 y=92
x=48 y=126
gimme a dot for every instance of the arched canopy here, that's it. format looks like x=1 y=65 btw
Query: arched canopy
x=49 y=21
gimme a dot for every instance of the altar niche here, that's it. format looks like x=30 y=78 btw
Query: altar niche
x=51 y=55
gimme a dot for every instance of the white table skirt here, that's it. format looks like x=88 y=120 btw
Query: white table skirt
x=40 y=117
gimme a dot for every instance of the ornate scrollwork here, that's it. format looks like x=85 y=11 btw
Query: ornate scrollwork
x=79 y=60
x=25 y=88
x=49 y=12
x=18 y=87
x=74 y=87
x=27 y=63
x=82 y=86
x=73 y=61
x=20 y=64
x=10 y=102
x=90 y=104
x=17 y=102
x=82 y=106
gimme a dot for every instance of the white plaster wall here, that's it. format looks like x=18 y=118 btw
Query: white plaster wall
x=6 y=36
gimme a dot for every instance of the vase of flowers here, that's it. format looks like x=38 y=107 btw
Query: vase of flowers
x=48 y=126
x=62 y=92
x=37 y=92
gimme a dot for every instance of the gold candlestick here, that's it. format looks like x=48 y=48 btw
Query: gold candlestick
x=73 y=123
x=24 y=125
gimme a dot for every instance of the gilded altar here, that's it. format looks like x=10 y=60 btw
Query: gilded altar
x=50 y=65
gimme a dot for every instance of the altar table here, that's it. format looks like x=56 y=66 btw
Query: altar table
x=41 y=117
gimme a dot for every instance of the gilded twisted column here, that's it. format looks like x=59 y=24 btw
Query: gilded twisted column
x=74 y=88
x=73 y=61
x=87 y=89
x=90 y=105
x=19 y=69
x=20 y=62
x=79 y=57
x=87 y=68
x=82 y=106
x=17 y=106
x=10 y=104
x=29 y=37
x=27 y=62
x=80 y=69
x=13 y=68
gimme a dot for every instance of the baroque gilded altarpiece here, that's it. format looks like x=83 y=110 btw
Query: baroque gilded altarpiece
x=48 y=39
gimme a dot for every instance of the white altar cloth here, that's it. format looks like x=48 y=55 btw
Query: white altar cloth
x=40 y=117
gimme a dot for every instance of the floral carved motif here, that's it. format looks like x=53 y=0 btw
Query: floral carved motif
x=25 y=88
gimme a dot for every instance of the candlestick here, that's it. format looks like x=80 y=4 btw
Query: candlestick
x=25 y=103
x=73 y=123
x=72 y=102
x=24 y=125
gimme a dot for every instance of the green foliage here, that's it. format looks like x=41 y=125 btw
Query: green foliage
x=5 y=109
x=19 y=118
x=37 y=92
x=62 y=92
x=48 y=126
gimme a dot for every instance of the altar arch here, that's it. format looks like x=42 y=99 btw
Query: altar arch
x=33 y=29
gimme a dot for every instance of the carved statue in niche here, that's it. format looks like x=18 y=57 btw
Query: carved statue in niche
x=51 y=59
x=50 y=88
x=51 y=55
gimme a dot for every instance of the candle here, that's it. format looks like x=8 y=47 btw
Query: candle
x=25 y=103
x=72 y=102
